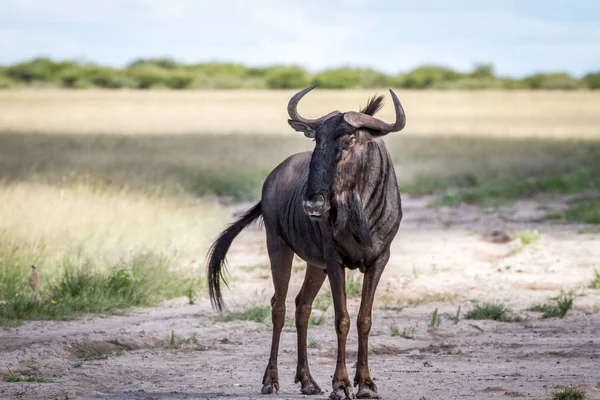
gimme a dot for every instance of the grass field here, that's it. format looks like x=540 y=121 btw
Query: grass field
x=125 y=182
x=477 y=113
x=98 y=249
x=235 y=165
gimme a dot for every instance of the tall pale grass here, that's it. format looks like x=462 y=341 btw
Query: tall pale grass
x=98 y=250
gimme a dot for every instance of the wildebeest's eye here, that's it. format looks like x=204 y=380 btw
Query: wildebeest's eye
x=347 y=142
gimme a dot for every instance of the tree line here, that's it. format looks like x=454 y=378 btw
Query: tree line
x=165 y=73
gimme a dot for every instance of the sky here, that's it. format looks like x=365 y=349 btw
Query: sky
x=518 y=37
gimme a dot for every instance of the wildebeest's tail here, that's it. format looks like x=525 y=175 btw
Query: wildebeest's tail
x=217 y=252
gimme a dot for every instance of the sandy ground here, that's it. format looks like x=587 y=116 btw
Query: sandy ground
x=441 y=259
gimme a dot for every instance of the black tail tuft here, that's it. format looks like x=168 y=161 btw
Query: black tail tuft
x=217 y=252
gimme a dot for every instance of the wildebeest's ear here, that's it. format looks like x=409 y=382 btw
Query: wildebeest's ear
x=309 y=132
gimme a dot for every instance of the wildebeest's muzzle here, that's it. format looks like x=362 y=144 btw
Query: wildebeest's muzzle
x=316 y=206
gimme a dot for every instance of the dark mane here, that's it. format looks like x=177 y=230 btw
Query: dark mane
x=373 y=105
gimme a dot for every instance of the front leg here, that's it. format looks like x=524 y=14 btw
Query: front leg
x=310 y=288
x=342 y=389
x=366 y=386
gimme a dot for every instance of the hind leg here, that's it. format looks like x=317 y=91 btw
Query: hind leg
x=313 y=280
x=281 y=257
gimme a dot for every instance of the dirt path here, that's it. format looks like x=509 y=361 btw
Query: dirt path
x=441 y=259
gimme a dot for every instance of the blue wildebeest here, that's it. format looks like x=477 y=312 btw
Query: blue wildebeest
x=336 y=207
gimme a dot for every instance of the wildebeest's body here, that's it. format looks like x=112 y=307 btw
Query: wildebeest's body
x=336 y=207
x=378 y=195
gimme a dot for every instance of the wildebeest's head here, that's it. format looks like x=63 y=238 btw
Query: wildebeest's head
x=341 y=139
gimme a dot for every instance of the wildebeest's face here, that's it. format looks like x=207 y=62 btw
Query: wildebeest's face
x=340 y=144
x=334 y=164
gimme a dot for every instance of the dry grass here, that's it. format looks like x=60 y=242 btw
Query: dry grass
x=236 y=165
x=485 y=113
x=129 y=138
x=97 y=249
x=109 y=224
x=104 y=175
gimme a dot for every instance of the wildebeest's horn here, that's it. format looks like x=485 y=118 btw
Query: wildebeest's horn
x=359 y=120
x=293 y=109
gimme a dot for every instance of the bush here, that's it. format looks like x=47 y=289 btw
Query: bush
x=219 y=69
x=508 y=83
x=350 y=78
x=398 y=81
x=485 y=71
x=592 y=80
x=38 y=70
x=226 y=82
x=468 y=84
x=425 y=77
x=6 y=83
x=178 y=79
x=225 y=76
x=287 y=78
x=165 y=63
x=96 y=76
x=259 y=72
x=338 y=79
x=147 y=76
x=152 y=73
x=374 y=79
x=552 y=81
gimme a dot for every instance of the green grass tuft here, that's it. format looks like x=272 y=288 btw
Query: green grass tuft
x=456 y=317
x=353 y=286
x=253 y=313
x=501 y=191
x=316 y=321
x=172 y=341
x=13 y=378
x=85 y=286
x=587 y=212
x=406 y=333
x=492 y=311
x=90 y=352
x=531 y=326
x=494 y=193
x=255 y=267
x=323 y=302
x=313 y=343
x=175 y=342
x=563 y=304
x=595 y=283
x=435 y=319
x=528 y=237
x=191 y=294
x=569 y=393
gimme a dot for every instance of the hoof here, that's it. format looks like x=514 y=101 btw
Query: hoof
x=311 y=389
x=366 y=393
x=267 y=389
x=339 y=394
